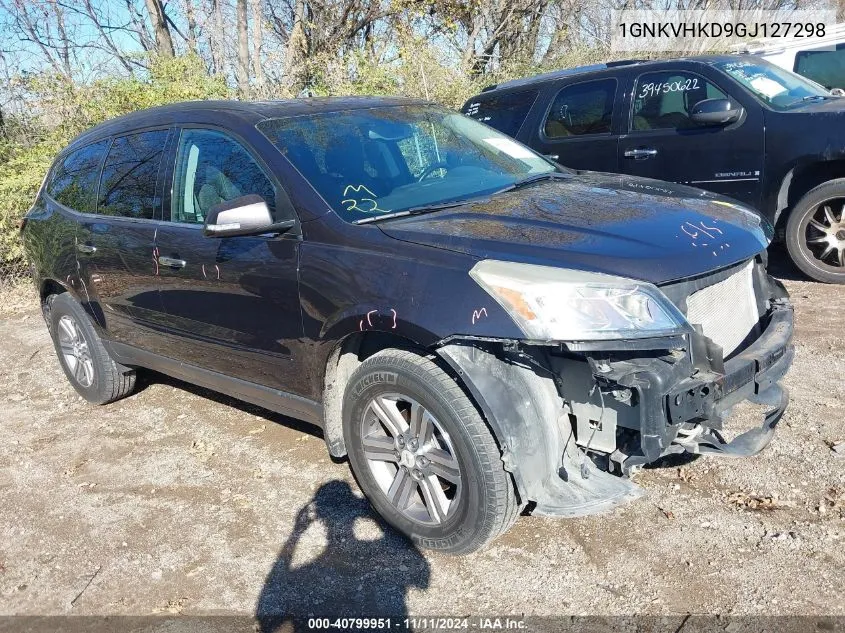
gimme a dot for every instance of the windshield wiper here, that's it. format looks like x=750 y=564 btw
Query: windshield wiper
x=530 y=180
x=423 y=208
x=809 y=98
x=428 y=208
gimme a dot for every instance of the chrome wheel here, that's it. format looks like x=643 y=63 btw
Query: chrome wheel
x=824 y=234
x=411 y=458
x=75 y=351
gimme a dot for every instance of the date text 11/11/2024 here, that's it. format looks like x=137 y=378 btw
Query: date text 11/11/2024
x=416 y=623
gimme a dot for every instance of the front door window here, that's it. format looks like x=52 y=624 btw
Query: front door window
x=211 y=168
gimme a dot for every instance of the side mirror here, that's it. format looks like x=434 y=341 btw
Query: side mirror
x=837 y=92
x=716 y=112
x=247 y=215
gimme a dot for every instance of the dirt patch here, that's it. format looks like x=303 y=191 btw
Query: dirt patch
x=179 y=501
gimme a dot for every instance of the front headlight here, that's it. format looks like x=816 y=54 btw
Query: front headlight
x=571 y=305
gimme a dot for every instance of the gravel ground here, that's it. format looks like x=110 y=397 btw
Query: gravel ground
x=180 y=501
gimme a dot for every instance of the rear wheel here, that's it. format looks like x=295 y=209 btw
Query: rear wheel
x=424 y=456
x=86 y=363
x=815 y=233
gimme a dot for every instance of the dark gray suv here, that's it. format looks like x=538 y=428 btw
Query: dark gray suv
x=478 y=329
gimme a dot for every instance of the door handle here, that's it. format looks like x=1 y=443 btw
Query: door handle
x=173 y=262
x=640 y=154
x=86 y=248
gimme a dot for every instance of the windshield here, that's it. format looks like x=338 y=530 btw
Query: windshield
x=775 y=86
x=371 y=162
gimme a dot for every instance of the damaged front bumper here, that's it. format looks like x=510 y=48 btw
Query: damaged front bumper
x=683 y=401
x=574 y=421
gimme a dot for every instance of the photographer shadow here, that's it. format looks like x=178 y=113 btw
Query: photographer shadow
x=350 y=578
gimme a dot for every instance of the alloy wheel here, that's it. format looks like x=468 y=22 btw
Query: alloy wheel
x=411 y=457
x=824 y=234
x=75 y=351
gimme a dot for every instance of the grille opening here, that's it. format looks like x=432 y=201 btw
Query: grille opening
x=727 y=311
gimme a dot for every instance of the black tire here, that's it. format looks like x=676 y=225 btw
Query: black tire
x=487 y=504
x=806 y=256
x=108 y=380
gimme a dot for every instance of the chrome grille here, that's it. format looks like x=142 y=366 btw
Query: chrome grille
x=727 y=310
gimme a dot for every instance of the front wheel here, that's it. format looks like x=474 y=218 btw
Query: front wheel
x=815 y=233
x=423 y=455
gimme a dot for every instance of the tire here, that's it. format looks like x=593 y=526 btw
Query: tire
x=476 y=501
x=86 y=363
x=818 y=249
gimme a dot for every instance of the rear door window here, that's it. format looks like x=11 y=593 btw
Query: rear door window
x=74 y=180
x=582 y=108
x=505 y=112
x=664 y=100
x=826 y=67
x=128 y=183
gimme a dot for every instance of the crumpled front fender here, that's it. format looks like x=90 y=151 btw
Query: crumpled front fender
x=522 y=405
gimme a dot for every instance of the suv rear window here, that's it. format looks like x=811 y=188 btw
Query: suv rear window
x=128 y=184
x=74 y=181
x=505 y=112
x=826 y=67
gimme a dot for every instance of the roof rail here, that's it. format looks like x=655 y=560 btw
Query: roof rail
x=563 y=72
x=624 y=62
x=555 y=74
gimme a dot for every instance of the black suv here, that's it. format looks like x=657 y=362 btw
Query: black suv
x=477 y=328
x=734 y=124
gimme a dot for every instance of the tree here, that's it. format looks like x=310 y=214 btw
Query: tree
x=40 y=26
x=161 y=27
x=217 y=41
x=243 y=48
x=192 y=25
x=257 y=45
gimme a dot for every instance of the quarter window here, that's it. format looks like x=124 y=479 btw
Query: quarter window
x=665 y=100
x=211 y=168
x=504 y=112
x=74 y=181
x=128 y=184
x=583 y=108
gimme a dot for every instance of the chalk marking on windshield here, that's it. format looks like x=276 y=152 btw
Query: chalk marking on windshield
x=353 y=202
x=357 y=189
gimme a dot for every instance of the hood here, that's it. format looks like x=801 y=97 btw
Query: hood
x=619 y=225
